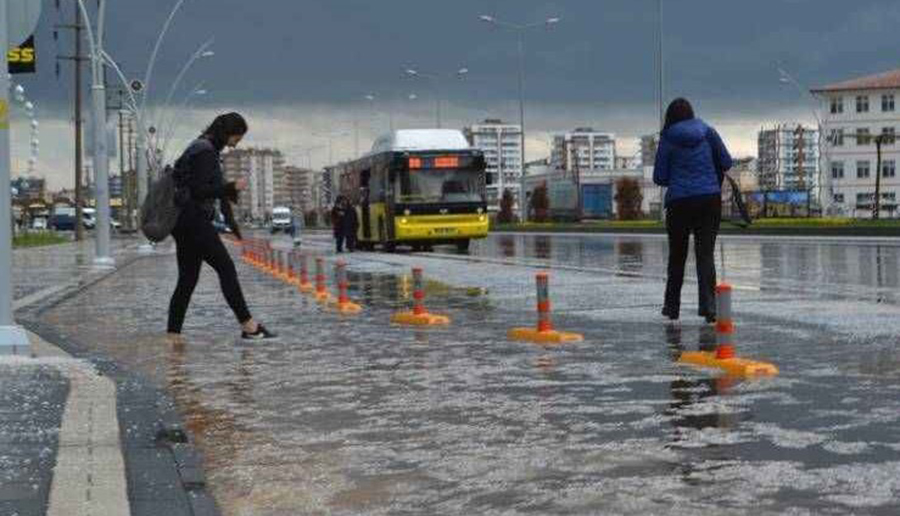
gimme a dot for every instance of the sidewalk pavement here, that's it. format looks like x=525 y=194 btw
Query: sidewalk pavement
x=79 y=435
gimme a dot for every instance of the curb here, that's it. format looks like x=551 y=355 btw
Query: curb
x=164 y=470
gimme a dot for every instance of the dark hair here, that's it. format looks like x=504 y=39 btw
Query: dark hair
x=224 y=127
x=679 y=111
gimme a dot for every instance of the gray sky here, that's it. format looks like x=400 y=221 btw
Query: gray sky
x=300 y=67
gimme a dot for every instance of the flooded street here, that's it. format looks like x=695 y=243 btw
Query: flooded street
x=351 y=415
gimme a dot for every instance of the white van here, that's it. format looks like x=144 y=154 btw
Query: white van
x=281 y=219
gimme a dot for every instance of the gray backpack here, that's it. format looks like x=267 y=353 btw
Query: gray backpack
x=159 y=213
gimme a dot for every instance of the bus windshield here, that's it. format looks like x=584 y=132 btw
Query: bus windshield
x=440 y=186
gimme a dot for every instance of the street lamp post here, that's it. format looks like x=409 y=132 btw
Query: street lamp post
x=520 y=31
x=434 y=78
x=786 y=78
x=371 y=97
x=103 y=257
x=12 y=337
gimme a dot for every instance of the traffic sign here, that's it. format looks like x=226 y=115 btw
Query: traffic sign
x=22 y=58
x=22 y=19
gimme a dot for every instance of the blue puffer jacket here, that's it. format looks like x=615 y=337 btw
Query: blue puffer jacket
x=691 y=161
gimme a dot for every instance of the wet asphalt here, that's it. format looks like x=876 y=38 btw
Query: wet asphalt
x=351 y=415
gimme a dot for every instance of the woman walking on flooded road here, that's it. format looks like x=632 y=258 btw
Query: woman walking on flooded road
x=198 y=173
x=691 y=162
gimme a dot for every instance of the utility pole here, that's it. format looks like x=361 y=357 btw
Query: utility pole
x=77 y=58
x=799 y=144
x=876 y=212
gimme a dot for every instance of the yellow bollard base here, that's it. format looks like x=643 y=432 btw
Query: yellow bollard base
x=306 y=287
x=426 y=319
x=324 y=298
x=348 y=307
x=732 y=366
x=543 y=337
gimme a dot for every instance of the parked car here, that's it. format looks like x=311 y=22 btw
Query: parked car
x=63 y=218
x=39 y=223
x=88 y=218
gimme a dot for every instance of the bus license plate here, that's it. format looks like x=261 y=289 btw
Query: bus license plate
x=444 y=231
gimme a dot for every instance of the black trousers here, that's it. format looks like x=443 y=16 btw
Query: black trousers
x=698 y=216
x=197 y=241
x=348 y=239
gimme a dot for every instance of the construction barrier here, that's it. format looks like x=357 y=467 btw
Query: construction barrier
x=544 y=333
x=419 y=315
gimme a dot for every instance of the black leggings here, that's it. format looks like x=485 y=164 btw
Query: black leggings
x=700 y=216
x=197 y=242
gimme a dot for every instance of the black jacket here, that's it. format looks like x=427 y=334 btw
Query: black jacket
x=199 y=173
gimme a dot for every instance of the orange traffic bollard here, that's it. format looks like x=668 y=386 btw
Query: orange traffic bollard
x=304 y=283
x=724 y=356
x=343 y=303
x=281 y=269
x=290 y=275
x=544 y=333
x=419 y=315
x=322 y=295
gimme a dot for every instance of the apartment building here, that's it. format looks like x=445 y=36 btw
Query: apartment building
x=267 y=185
x=502 y=147
x=788 y=158
x=859 y=114
x=584 y=150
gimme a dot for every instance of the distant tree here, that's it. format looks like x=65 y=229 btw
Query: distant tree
x=628 y=199
x=540 y=203
x=507 y=202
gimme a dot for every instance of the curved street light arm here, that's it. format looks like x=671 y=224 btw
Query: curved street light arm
x=174 y=119
x=149 y=73
x=184 y=70
x=133 y=104
x=91 y=41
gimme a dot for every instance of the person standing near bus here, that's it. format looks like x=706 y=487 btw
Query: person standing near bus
x=338 y=214
x=201 y=183
x=350 y=225
x=691 y=162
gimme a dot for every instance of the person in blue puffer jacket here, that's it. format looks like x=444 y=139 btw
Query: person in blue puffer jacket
x=691 y=162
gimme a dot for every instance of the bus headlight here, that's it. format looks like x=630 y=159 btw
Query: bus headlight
x=403 y=221
x=481 y=218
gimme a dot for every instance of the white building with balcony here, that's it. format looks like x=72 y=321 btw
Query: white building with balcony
x=584 y=150
x=788 y=158
x=264 y=171
x=502 y=147
x=854 y=112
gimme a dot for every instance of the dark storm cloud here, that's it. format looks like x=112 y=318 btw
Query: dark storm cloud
x=272 y=52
